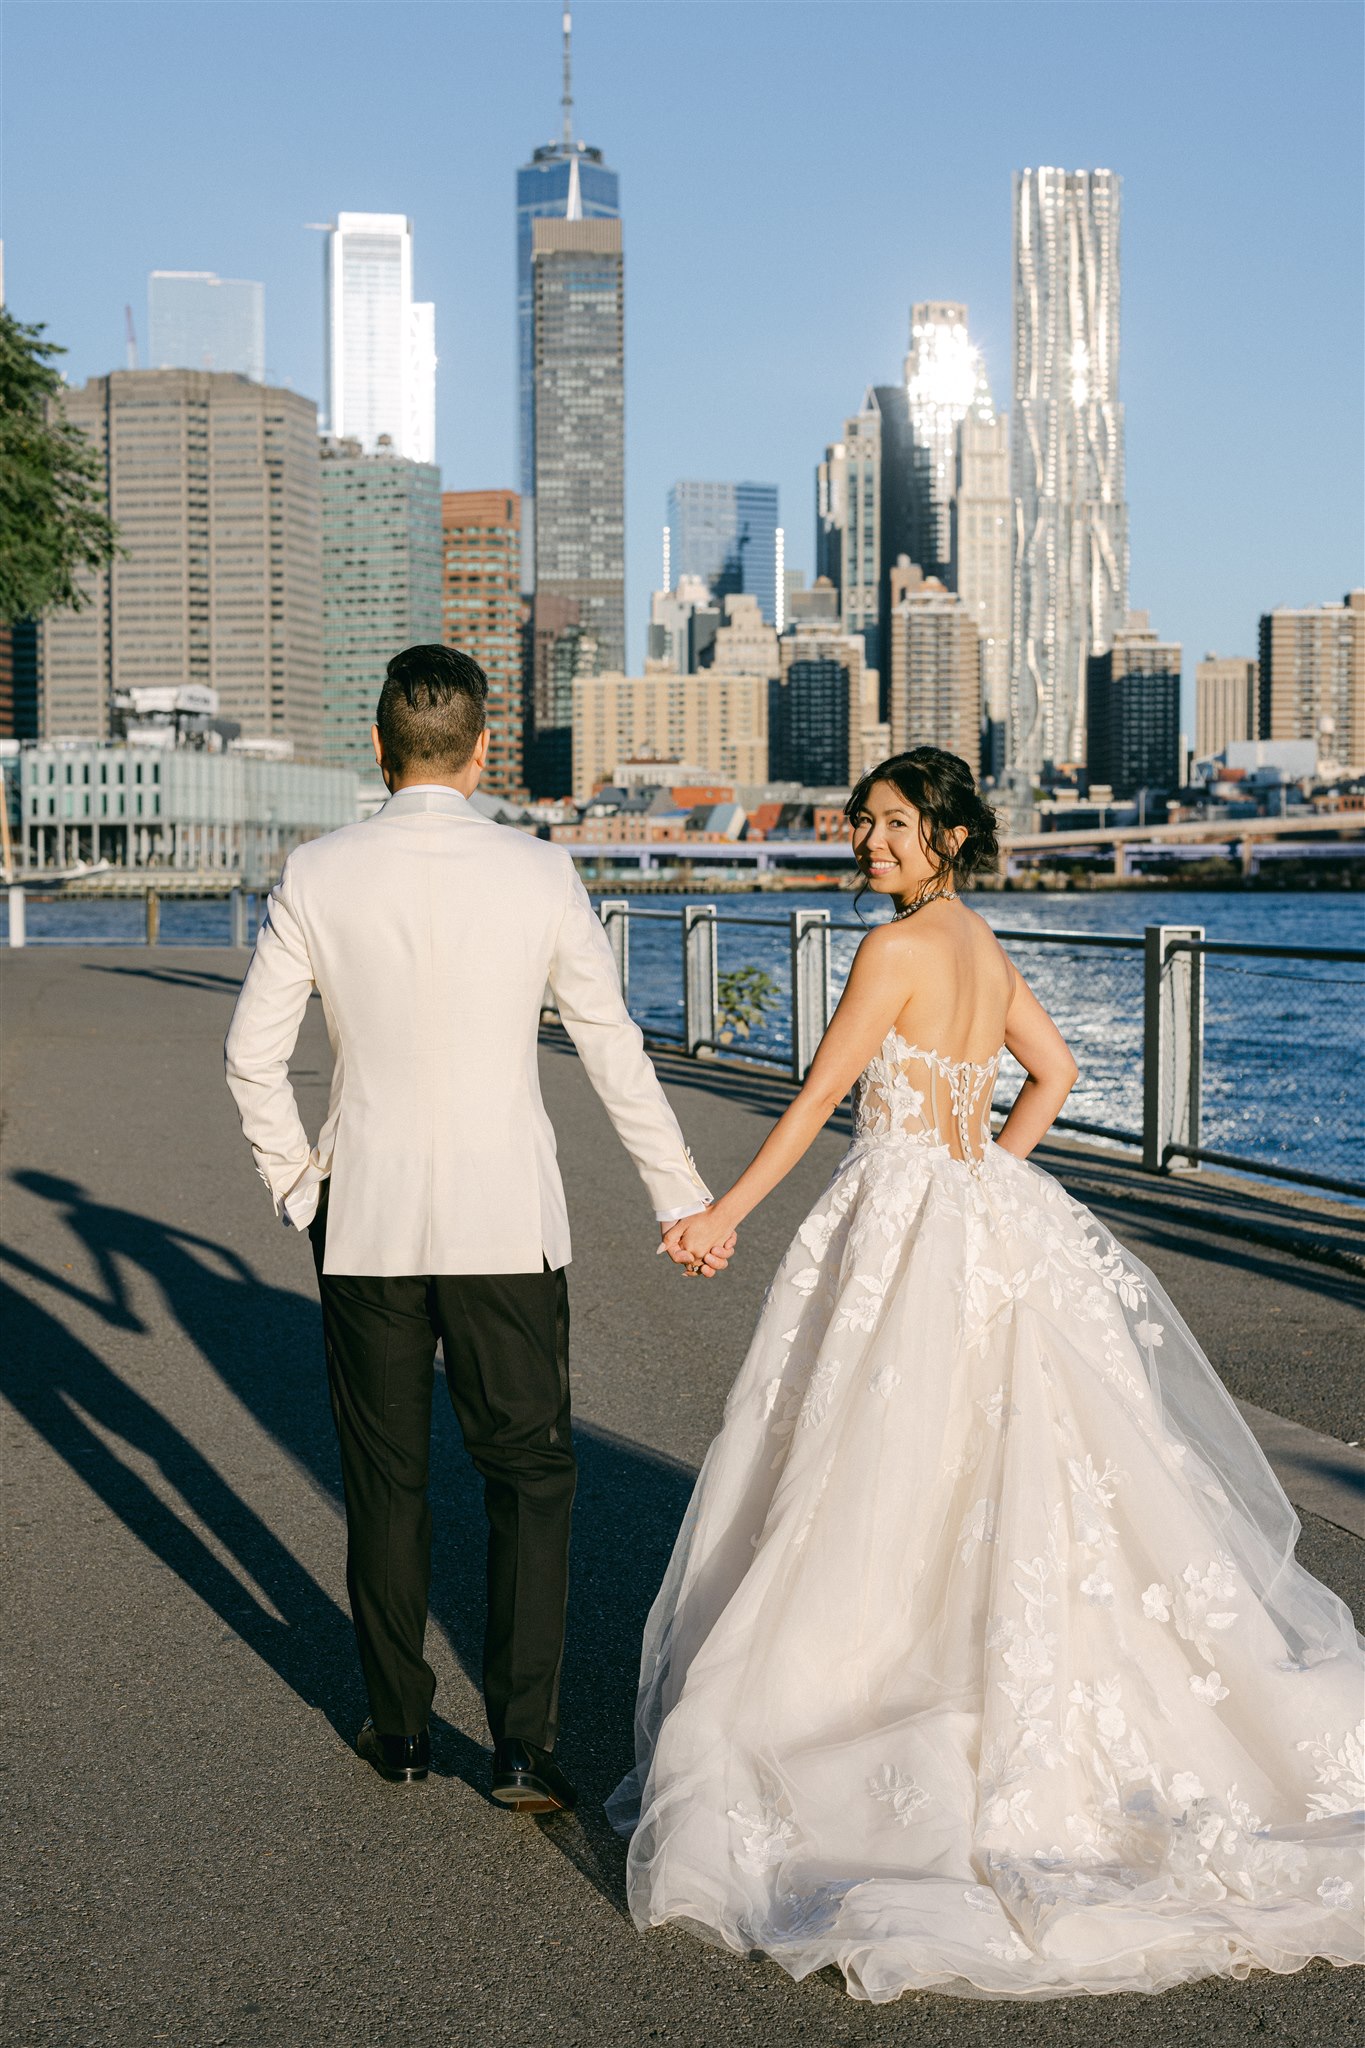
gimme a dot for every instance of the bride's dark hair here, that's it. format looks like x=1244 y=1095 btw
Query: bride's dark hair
x=943 y=790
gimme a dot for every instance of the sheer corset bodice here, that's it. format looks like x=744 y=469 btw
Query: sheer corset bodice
x=910 y=1091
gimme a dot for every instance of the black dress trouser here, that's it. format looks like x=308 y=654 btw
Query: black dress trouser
x=505 y=1338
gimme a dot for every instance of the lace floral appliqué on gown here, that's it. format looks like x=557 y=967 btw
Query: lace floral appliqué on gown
x=983 y=1661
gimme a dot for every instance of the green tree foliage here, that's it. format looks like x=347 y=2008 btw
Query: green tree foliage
x=52 y=519
x=744 y=997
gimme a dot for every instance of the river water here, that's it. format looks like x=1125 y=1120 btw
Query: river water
x=1283 y=1042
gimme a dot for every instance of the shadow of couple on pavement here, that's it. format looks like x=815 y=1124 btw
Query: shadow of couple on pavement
x=264 y=1343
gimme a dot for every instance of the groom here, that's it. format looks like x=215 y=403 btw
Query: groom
x=432 y=1197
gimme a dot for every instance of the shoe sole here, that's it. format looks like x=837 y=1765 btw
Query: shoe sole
x=526 y=1798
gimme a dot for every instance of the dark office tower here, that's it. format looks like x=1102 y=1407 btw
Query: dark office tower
x=1133 y=712
x=578 y=308
x=24 y=657
x=727 y=535
x=564 y=180
x=808 y=724
x=557 y=650
x=818 y=707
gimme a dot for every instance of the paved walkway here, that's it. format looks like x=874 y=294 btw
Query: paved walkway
x=195 y=1856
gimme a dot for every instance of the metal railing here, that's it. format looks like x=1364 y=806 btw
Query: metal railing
x=1151 y=1033
x=1181 y=1056
x=243 y=906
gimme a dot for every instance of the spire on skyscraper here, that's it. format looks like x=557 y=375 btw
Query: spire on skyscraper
x=566 y=100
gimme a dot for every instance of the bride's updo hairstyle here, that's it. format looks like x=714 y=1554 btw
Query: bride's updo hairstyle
x=943 y=790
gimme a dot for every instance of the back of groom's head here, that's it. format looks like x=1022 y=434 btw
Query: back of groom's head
x=431 y=710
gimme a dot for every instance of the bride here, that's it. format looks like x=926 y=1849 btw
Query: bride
x=983 y=1661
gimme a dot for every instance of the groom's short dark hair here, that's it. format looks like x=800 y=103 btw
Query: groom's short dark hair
x=431 y=709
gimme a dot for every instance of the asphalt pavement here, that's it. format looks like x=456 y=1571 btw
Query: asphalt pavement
x=194 y=1854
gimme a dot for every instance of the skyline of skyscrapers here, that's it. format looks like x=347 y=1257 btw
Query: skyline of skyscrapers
x=197 y=321
x=381 y=344
x=1020 y=517
x=1067 y=457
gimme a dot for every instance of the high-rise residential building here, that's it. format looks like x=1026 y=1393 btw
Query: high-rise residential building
x=822 y=707
x=558 y=649
x=718 y=723
x=482 y=608
x=934 y=666
x=196 y=321
x=745 y=644
x=1070 y=515
x=851 y=541
x=564 y=180
x=1133 y=712
x=1312 y=678
x=672 y=612
x=381 y=345
x=819 y=604
x=726 y=534
x=945 y=381
x=381 y=585
x=1225 y=703
x=213 y=483
x=983 y=554
x=578 y=305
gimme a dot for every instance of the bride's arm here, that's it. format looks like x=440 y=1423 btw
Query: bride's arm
x=873 y=998
x=1050 y=1072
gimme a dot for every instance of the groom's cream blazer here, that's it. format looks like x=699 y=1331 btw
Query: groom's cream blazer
x=430 y=934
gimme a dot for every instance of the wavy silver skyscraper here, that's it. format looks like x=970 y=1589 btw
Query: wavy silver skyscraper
x=1070 y=513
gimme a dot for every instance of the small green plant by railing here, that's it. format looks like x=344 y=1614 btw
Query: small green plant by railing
x=744 y=997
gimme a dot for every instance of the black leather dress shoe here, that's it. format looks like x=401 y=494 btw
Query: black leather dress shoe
x=529 y=1779
x=402 y=1759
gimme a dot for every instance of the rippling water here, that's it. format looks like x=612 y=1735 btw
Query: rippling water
x=1283 y=1039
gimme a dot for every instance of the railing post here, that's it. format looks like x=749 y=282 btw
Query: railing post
x=1172 y=1044
x=237 y=905
x=615 y=916
x=18 y=908
x=810 y=986
x=153 y=917
x=700 y=992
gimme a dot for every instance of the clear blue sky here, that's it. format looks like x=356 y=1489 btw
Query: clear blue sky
x=792 y=177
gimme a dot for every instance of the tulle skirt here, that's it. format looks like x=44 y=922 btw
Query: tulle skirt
x=983 y=1662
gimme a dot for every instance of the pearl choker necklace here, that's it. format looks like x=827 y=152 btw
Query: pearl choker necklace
x=939 y=896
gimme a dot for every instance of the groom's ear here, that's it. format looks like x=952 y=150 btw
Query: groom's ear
x=378 y=746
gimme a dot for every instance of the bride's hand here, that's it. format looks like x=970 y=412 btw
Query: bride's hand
x=700 y=1245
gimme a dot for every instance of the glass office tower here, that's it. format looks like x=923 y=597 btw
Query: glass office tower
x=196 y=321
x=580 y=451
x=727 y=535
x=565 y=181
x=381 y=344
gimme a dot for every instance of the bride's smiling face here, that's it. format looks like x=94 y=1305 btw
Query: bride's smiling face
x=889 y=844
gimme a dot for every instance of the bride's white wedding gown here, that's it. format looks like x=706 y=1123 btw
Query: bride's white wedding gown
x=983 y=1661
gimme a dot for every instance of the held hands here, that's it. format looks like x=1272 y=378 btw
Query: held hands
x=699 y=1245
